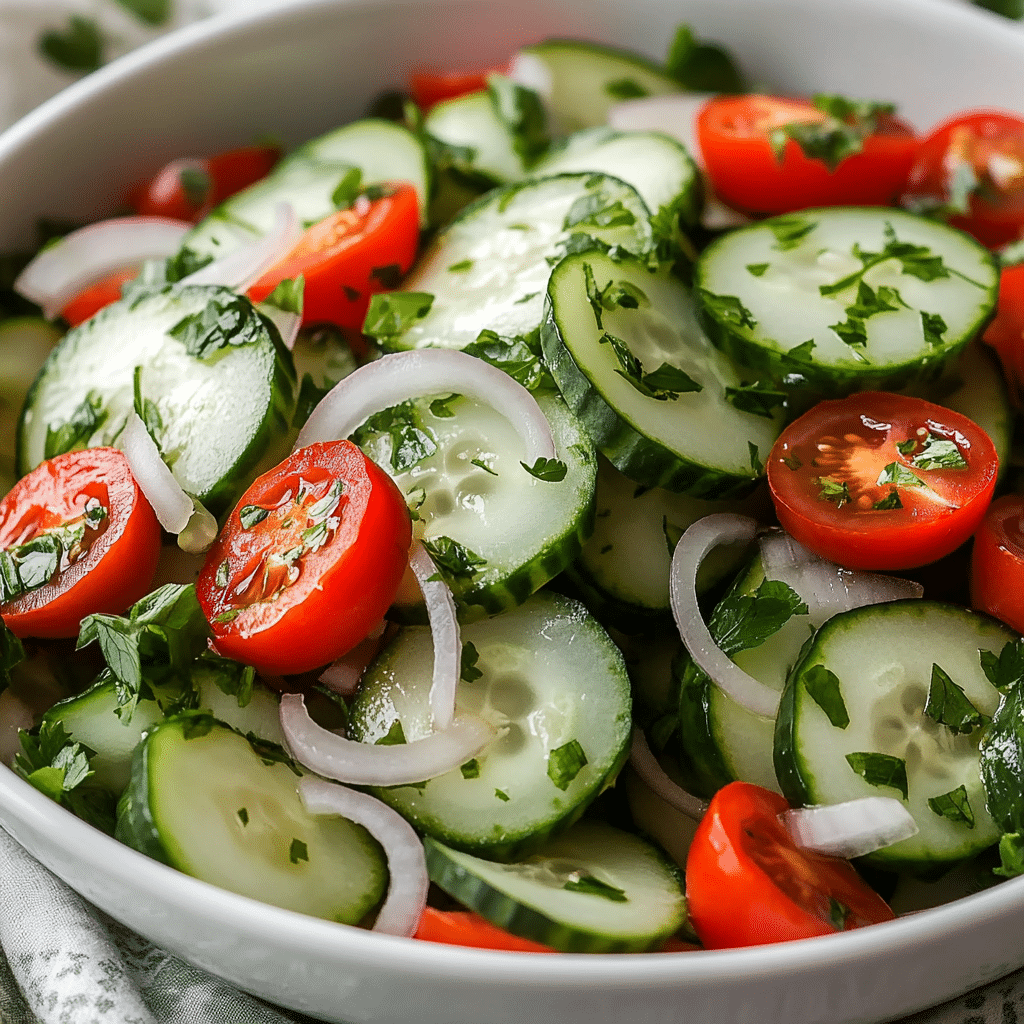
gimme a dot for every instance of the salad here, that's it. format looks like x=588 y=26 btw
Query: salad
x=385 y=499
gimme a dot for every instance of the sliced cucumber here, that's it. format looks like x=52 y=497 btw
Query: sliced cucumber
x=259 y=715
x=555 y=686
x=611 y=325
x=903 y=294
x=878 y=663
x=202 y=800
x=470 y=486
x=322 y=358
x=488 y=269
x=594 y=889
x=214 y=414
x=587 y=79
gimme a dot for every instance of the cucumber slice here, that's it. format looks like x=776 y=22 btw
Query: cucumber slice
x=882 y=660
x=623 y=568
x=207 y=804
x=693 y=441
x=555 y=686
x=488 y=269
x=594 y=889
x=214 y=416
x=322 y=358
x=587 y=79
x=903 y=295
x=260 y=715
x=472 y=488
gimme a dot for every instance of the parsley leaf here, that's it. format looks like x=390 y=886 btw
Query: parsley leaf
x=393 y=737
x=298 y=851
x=741 y=621
x=392 y=313
x=840 y=134
x=939 y=453
x=565 y=763
x=468 y=671
x=520 y=357
x=471 y=769
x=898 y=474
x=1007 y=668
x=954 y=806
x=87 y=417
x=836 y=491
x=550 y=470
x=502 y=795
x=891 y=501
x=220 y=324
x=597 y=209
x=701 y=66
x=591 y=886
x=756 y=398
x=880 y=770
x=412 y=441
x=453 y=559
x=948 y=705
x=625 y=89
x=522 y=112
x=789 y=231
x=824 y=688
x=727 y=308
x=79 y=47
x=152 y=12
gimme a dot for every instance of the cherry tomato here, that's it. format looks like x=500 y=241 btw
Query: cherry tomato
x=349 y=255
x=1006 y=332
x=430 y=88
x=308 y=562
x=747 y=882
x=464 y=928
x=881 y=481
x=77 y=537
x=973 y=167
x=91 y=300
x=734 y=135
x=997 y=562
x=188 y=189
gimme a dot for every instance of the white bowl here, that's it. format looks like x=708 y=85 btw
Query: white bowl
x=296 y=72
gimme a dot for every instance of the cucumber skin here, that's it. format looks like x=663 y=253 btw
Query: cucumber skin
x=628 y=451
x=698 y=748
x=610 y=610
x=523 y=921
x=135 y=825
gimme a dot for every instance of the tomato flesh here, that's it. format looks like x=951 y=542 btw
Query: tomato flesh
x=308 y=562
x=464 y=928
x=747 y=883
x=430 y=88
x=1006 y=331
x=91 y=300
x=349 y=256
x=880 y=481
x=997 y=562
x=734 y=132
x=973 y=166
x=86 y=507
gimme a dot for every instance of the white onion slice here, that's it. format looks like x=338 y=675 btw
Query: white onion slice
x=645 y=764
x=408 y=882
x=826 y=587
x=244 y=266
x=343 y=675
x=673 y=114
x=403 y=375
x=370 y=764
x=850 y=829
x=693 y=547
x=173 y=507
x=444 y=630
x=531 y=72
x=287 y=323
x=63 y=269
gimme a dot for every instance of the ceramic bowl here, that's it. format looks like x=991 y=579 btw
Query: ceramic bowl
x=295 y=72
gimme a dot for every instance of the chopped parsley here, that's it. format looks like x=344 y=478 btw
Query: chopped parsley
x=591 y=886
x=880 y=770
x=948 y=705
x=954 y=806
x=565 y=763
x=298 y=851
x=824 y=688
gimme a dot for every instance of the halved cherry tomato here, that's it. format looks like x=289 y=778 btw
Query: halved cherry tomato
x=997 y=562
x=80 y=530
x=464 y=928
x=973 y=166
x=1006 y=332
x=881 y=481
x=188 y=189
x=734 y=133
x=349 y=255
x=429 y=88
x=747 y=882
x=308 y=562
x=102 y=293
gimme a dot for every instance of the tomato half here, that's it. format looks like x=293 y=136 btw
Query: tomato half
x=349 y=256
x=429 y=88
x=464 y=928
x=881 y=481
x=997 y=562
x=734 y=135
x=77 y=536
x=308 y=562
x=973 y=166
x=747 y=882
x=102 y=293
x=1006 y=331
x=188 y=189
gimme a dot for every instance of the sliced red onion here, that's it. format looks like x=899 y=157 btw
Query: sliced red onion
x=173 y=507
x=529 y=71
x=343 y=675
x=403 y=375
x=850 y=829
x=826 y=587
x=646 y=765
x=694 y=545
x=62 y=270
x=444 y=629
x=243 y=267
x=674 y=114
x=370 y=764
x=407 y=867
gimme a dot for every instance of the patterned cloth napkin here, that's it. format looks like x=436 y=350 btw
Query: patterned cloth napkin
x=61 y=960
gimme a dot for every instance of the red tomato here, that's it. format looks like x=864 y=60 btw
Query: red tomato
x=87 y=506
x=92 y=299
x=188 y=189
x=997 y=562
x=308 y=562
x=747 y=882
x=349 y=255
x=464 y=928
x=1006 y=332
x=429 y=88
x=973 y=164
x=734 y=131
x=880 y=481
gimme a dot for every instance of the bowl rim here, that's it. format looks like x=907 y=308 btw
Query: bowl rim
x=35 y=812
